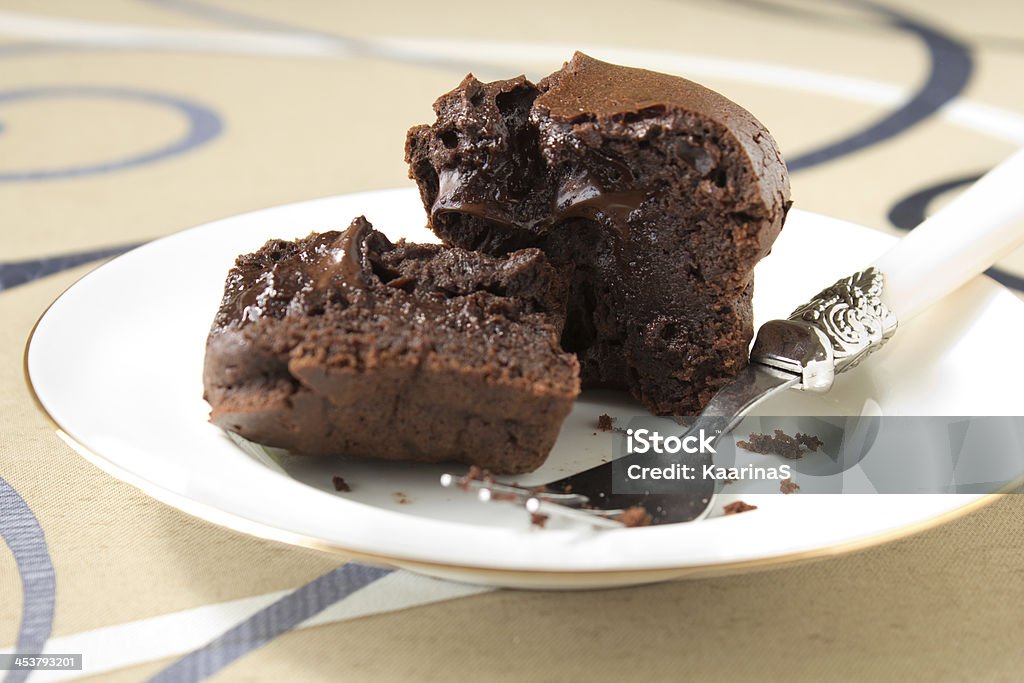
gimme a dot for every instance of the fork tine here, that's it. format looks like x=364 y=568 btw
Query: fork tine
x=494 y=491
x=597 y=518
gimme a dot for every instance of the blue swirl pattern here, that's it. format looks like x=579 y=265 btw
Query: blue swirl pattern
x=203 y=126
x=24 y=536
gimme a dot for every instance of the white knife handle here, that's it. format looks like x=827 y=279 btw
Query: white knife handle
x=855 y=316
x=976 y=229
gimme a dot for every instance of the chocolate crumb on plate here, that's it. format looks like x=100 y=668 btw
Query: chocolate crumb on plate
x=737 y=507
x=340 y=484
x=813 y=443
x=604 y=423
x=635 y=516
x=401 y=498
x=475 y=474
x=788 y=486
x=781 y=444
x=538 y=520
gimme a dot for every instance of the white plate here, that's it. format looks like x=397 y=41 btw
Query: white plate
x=116 y=363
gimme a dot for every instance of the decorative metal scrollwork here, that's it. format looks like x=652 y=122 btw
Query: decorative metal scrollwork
x=851 y=315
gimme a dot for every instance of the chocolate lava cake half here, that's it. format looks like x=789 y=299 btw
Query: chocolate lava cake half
x=344 y=343
x=662 y=194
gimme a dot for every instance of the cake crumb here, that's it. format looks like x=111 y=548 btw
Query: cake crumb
x=738 y=507
x=604 y=423
x=781 y=444
x=635 y=516
x=340 y=484
x=538 y=520
x=475 y=474
x=788 y=486
x=813 y=443
x=401 y=498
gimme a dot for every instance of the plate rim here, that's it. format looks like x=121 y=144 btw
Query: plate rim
x=238 y=523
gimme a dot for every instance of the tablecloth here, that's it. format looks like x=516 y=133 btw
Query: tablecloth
x=125 y=120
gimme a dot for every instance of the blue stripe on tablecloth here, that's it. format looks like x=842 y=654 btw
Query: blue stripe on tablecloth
x=950 y=69
x=20 y=272
x=358 y=46
x=21 y=531
x=270 y=622
x=230 y=17
x=951 y=66
x=204 y=125
x=910 y=211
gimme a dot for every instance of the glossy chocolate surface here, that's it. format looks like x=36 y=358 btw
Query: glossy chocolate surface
x=344 y=343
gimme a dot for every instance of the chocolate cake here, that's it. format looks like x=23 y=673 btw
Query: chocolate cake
x=660 y=193
x=344 y=343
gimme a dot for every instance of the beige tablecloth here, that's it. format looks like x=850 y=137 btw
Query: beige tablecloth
x=125 y=120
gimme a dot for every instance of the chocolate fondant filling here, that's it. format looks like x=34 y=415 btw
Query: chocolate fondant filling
x=661 y=194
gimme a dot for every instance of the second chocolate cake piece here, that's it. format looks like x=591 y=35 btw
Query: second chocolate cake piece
x=663 y=195
x=344 y=343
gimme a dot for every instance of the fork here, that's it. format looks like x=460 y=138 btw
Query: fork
x=828 y=335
